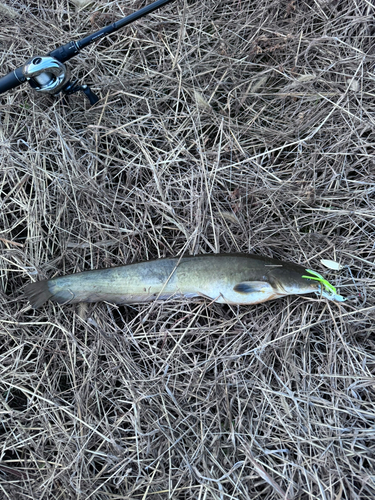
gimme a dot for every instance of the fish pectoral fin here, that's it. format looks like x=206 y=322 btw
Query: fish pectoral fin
x=252 y=287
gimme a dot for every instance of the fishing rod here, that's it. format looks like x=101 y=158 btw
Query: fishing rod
x=49 y=75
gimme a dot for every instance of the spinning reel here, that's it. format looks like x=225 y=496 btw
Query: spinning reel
x=49 y=75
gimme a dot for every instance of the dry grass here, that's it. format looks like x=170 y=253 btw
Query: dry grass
x=223 y=126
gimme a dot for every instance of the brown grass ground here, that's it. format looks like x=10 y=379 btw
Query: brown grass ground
x=223 y=126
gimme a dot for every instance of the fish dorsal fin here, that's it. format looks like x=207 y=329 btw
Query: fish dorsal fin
x=252 y=287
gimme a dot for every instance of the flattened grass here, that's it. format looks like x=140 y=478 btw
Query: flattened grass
x=241 y=126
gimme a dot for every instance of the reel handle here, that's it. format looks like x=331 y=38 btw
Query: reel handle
x=93 y=98
x=72 y=88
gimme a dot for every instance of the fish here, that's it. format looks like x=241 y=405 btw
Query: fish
x=238 y=279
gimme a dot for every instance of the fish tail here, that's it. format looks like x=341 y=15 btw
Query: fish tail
x=38 y=293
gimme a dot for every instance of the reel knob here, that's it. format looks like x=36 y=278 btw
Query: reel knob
x=46 y=74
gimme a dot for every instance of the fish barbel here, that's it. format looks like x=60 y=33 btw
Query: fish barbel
x=224 y=278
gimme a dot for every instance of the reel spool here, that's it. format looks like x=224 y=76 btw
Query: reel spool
x=46 y=74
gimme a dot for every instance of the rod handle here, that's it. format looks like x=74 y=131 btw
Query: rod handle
x=12 y=80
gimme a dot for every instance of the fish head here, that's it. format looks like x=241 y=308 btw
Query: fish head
x=289 y=281
x=295 y=280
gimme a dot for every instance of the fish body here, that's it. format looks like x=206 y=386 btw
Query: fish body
x=224 y=278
